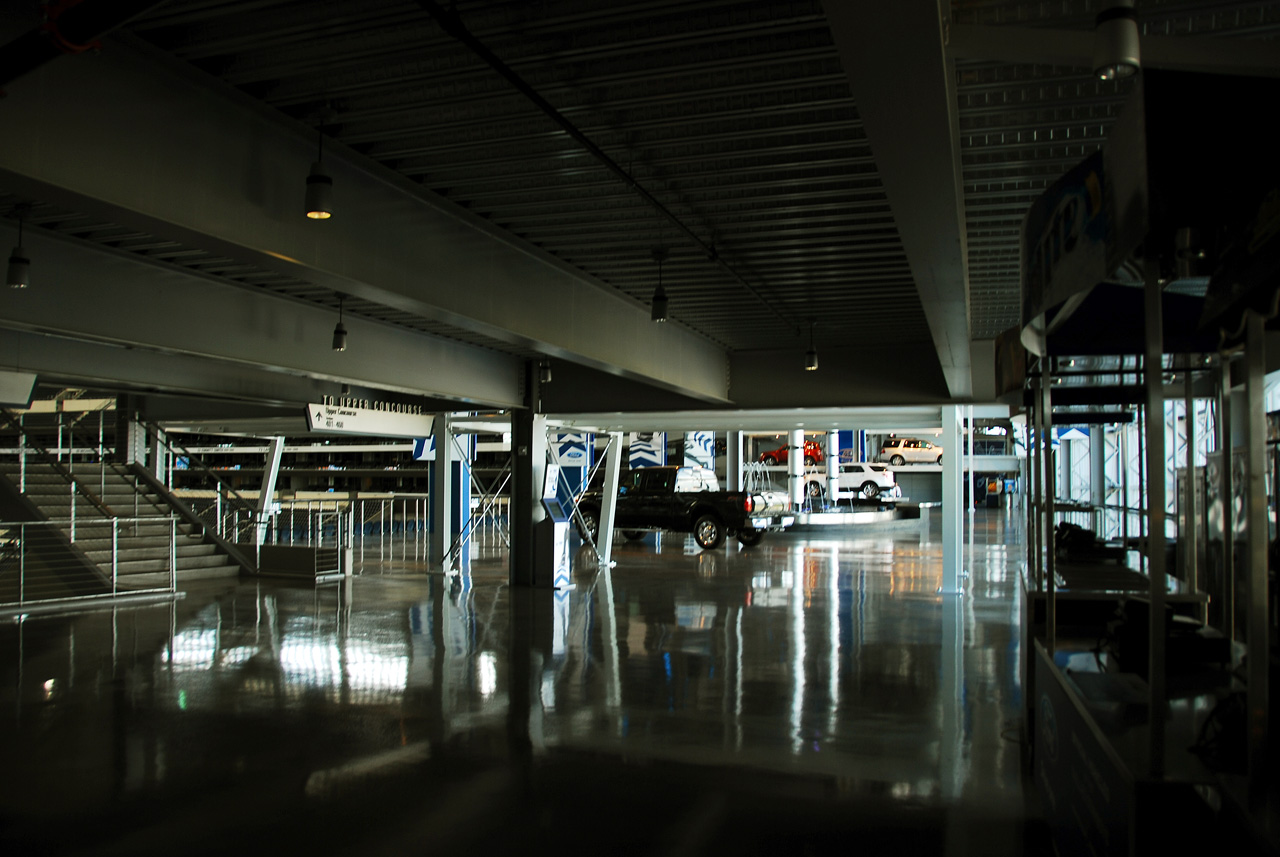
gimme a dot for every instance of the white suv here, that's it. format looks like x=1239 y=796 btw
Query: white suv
x=909 y=450
x=869 y=480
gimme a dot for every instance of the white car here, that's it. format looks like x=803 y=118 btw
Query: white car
x=869 y=480
x=909 y=450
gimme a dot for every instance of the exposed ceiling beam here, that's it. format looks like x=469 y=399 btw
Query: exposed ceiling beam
x=153 y=325
x=893 y=54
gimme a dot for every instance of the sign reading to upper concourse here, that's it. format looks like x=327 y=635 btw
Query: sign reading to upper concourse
x=383 y=420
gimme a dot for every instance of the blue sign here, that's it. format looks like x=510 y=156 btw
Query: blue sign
x=570 y=449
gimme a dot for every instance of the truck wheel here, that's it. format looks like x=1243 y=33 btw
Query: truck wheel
x=870 y=490
x=633 y=535
x=750 y=538
x=590 y=523
x=897 y=461
x=708 y=531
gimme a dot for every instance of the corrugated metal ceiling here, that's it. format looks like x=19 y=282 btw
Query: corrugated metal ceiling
x=734 y=115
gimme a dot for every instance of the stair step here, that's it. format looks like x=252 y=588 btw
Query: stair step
x=102 y=555
x=142 y=546
x=187 y=564
x=147 y=580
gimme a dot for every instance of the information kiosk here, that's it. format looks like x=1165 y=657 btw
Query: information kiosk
x=551 y=537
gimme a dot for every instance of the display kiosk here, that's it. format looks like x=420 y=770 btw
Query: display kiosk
x=551 y=537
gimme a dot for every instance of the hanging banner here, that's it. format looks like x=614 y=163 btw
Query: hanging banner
x=570 y=449
x=648 y=449
x=424 y=448
x=1082 y=230
x=700 y=449
x=371 y=422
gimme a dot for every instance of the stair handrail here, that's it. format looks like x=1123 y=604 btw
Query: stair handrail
x=201 y=467
x=184 y=511
x=49 y=458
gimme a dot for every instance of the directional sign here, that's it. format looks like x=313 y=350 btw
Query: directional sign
x=333 y=419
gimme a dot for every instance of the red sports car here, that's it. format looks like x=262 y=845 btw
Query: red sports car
x=812 y=454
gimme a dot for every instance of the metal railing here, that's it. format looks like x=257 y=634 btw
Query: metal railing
x=79 y=488
x=378 y=528
x=232 y=516
x=41 y=566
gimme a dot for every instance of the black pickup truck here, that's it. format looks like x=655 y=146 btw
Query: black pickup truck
x=687 y=500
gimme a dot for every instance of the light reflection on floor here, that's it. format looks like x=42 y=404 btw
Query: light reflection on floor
x=822 y=658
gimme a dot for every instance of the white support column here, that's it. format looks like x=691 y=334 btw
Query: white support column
x=441 y=492
x=612 y=467
x=973 y=500
x=1098 y=477
x=270 y=472
x=833 y=466
x=733 y=461
x=156 y=451
x=952 y=501
x=795 y=466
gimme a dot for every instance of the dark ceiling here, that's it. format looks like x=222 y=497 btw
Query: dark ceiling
x=723 y=132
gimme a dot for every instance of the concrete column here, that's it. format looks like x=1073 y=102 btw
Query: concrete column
x=795 y=466
x=442 y=524
x=1098 y=476
x=131 y=437
x=529 y=464
x=1258 y=697
x=952 y=500
x=1067 y=466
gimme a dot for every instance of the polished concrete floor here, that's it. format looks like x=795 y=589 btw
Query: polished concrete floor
x=812 y=693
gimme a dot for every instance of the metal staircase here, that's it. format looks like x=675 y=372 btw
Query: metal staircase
x=133 y=533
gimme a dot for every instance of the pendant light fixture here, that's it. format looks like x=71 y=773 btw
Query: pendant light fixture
x=339 y=332
x=658 y=309
x=1115 y=41
x=319 y=184
x=18 y=275
x=811 y=356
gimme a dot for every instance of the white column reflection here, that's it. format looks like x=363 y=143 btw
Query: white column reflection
x=609 y=635
x=796 y=604
x=951 y=761
x=737 y=681
x=833 y=643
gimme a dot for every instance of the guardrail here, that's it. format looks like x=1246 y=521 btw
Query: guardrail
x=381 y=529
x=232 y=516
x=41 y=567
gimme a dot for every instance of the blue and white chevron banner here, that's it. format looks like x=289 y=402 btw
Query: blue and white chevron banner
x=424 y=448
x=648 y=449
x=700 y=449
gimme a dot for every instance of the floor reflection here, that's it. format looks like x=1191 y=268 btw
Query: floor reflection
x=825 y=654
